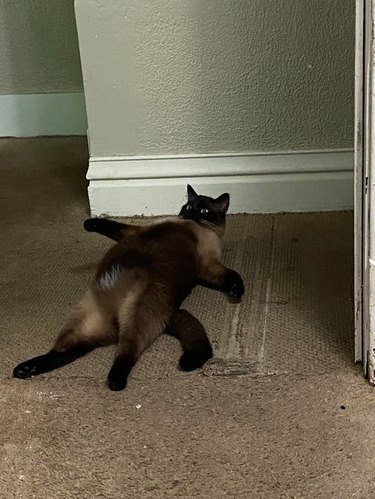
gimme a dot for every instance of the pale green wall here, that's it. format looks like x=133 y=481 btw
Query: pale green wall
x=192 y=76
x=38 y=47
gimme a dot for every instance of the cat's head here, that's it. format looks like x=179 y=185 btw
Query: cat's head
x=205 y=210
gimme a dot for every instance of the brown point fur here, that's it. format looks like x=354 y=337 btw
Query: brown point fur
x=139 y=286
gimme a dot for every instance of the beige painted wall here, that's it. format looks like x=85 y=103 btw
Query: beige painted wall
x=38 y=47
x=193 y=76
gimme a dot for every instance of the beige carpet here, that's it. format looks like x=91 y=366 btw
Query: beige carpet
x=66 y=435
x=297 y=268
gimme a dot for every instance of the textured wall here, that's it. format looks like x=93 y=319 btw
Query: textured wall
x=193 y=76
x=38 y=47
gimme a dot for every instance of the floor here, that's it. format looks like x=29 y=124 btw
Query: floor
x=298 y=424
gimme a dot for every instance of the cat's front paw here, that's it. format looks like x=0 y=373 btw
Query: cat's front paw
x=92 y=224
x=236 y=287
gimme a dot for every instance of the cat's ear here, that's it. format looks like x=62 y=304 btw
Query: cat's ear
x=223 y=202
x=191 y=193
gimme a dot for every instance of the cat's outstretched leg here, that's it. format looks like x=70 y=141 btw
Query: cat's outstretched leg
x=49 y=361
x=139 y=326
x=86 y=329
x=215 y=275
x=109 y=228
x=196 y=346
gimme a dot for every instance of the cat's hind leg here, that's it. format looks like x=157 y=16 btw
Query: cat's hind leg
x=196 y=346
x=140 y=324
x=88 y=327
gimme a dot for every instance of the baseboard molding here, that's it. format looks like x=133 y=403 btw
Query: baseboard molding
x=32 y=115
x=300 y=181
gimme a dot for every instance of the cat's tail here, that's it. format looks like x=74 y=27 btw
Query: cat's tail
x=194 y=341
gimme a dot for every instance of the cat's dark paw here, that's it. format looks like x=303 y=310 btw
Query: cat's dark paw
x=116 y=384
x=236 y=288
x=92 y=224
x=116 y=380
x=118 y=375
x=194 y=359
x=25 y=370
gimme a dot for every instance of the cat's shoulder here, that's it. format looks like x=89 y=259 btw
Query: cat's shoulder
x=172 y=221
x=176 y=223
x=167 y=227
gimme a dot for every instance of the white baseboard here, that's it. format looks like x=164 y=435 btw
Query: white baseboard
x=32 y=115
x=258 y=183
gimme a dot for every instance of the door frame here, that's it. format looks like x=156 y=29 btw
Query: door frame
x=358 y=181
x=364 y=219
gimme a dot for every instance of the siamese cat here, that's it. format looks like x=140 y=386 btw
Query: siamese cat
x=139 y=287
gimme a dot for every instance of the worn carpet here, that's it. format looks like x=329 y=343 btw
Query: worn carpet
x=297 y=268
x=202 y=434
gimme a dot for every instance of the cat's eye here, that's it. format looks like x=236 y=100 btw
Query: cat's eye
x=204 y=210
x=189 y=207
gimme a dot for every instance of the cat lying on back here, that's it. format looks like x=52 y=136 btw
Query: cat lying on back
x=139 y=287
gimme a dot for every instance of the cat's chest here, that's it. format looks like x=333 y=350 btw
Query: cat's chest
x=208 y=244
